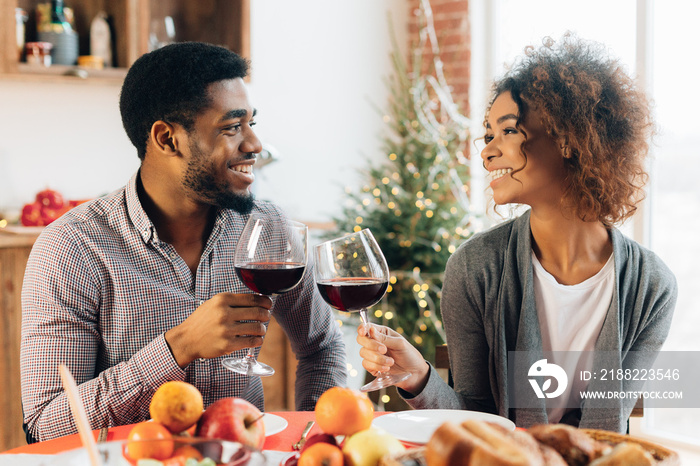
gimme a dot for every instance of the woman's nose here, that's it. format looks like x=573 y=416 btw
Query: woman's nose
x=489 y=152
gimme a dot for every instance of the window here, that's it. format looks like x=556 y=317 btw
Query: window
x=650 y=47
x=675 y=192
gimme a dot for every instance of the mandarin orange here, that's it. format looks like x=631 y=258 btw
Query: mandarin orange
x=343 y=411
x=188 y=451
x=321 y=454
x=149 y=440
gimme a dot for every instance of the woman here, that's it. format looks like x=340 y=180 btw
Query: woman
x=566 y=135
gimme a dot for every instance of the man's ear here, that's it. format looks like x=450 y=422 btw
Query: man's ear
x=163 y=137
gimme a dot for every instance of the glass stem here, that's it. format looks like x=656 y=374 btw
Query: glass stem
x=365 y=321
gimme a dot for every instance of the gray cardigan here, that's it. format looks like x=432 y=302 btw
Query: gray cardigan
x=488 y=309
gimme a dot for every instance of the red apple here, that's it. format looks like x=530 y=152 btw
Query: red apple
x=48 y=214
x=50 y=198
x=316 y=438
x=233 y=419
x=77 y=202
x=31 y=215
x=293 y=460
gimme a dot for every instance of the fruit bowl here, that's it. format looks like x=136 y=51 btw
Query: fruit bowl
x=221 y=452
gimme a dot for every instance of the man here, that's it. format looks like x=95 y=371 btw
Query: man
x=138 y=287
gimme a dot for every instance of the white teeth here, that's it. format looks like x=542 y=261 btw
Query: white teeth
x=243 y=168
x=498 y=173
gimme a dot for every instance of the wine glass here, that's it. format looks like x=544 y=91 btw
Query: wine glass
x=351 y=274
x=270 y=259
x=162 y=33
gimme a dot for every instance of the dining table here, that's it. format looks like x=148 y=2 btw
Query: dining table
x=277 y=446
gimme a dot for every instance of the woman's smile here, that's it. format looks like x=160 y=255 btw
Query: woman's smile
x=497 y=174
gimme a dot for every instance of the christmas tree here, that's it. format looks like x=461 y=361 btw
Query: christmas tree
x=416 y=201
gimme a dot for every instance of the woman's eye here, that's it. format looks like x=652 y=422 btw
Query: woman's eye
x=510 y=131
x=488 y=138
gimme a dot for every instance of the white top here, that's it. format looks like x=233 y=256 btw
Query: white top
x=571 y=317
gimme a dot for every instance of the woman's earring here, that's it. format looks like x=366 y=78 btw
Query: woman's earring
x=565 y=151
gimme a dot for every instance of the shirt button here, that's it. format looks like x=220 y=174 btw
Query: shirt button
x=201 y=301
x=202 y=359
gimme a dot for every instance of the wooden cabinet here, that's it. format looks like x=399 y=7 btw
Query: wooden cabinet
x=221 y=22
x=14 y=252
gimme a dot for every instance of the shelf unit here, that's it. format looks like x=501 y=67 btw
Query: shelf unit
x=222 y=22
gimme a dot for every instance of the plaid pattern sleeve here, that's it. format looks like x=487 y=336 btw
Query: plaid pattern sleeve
x=99 y=293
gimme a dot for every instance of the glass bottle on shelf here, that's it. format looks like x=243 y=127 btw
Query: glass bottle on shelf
x=101 y=38
x=54 y=27
x=58 y=17
x=20 y=19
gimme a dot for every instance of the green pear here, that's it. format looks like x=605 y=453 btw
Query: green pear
x=367 y=447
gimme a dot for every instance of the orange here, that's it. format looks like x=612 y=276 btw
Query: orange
x=343 y=411
x=188 y=451
x=149 y=440
x=177 y=405
x=321 y=454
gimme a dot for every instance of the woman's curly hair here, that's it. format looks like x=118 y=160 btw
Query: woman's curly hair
x=588 y=101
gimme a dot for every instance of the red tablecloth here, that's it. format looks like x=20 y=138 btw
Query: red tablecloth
x=282 y=441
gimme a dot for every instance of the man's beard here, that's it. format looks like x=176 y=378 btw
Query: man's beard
x=200 y=178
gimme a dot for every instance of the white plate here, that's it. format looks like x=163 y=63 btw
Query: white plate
x=21 y=230
x=274 y=424
x=416 y=426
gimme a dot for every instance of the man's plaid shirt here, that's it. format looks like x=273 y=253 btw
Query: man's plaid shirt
x=100 y=291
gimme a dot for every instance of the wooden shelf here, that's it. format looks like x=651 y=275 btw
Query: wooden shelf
x=65 y=74
x=222 y=22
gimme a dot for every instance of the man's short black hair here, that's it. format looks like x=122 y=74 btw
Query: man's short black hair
x=170 y=84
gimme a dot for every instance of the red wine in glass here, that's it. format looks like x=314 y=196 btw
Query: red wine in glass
x=352 y=294
x=271 y=278
x=352 y=275
x=270 y=259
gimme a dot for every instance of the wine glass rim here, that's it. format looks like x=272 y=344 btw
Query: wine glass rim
x=263 y=215
x=298 y=224
x=348 y=235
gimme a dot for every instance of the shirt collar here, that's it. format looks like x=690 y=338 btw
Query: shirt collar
x=142 y=223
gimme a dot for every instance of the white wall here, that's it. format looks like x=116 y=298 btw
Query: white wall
x=316 y=68
x=67 y=137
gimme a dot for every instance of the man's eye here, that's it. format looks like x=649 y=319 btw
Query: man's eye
x=251 y=123
x=233 y=128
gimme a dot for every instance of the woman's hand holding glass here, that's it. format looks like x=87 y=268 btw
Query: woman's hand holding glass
x=386 y=351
